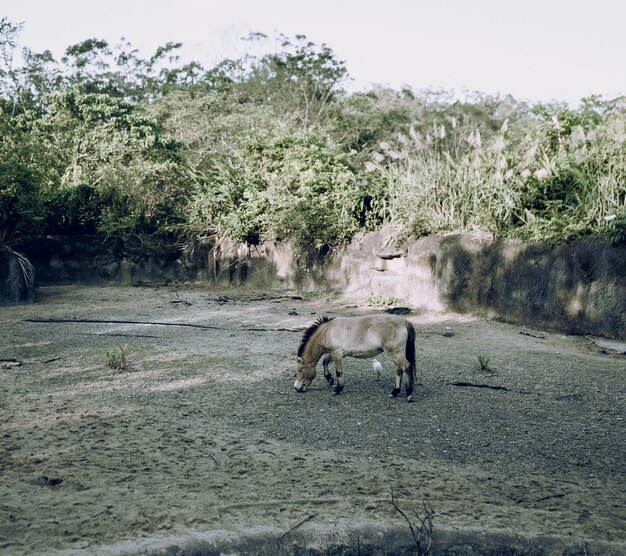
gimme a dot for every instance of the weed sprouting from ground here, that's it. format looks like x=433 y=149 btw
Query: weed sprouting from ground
x=117 y=358
x=385 y=301
x=484 y=361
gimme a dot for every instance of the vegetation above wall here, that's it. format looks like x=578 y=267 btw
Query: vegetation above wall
x=153 y=151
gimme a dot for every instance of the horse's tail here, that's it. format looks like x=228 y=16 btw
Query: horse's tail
x=410 y=346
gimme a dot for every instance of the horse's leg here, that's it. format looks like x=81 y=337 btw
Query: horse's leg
x=396 y=390
x=410 y=382
x=326 y=363
x=338 y=361
x=403 y=367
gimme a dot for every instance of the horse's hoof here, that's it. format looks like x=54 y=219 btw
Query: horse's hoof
x=409 y=399
x=394 y=393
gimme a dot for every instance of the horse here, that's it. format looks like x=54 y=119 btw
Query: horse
x=359 y=337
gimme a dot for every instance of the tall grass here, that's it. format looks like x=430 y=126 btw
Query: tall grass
x=550 y=180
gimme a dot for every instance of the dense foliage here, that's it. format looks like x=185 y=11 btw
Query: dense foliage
x=271 y=147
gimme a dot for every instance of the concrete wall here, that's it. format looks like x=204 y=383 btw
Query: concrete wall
x=88 y=260
x=579 y=287
x=16 y=279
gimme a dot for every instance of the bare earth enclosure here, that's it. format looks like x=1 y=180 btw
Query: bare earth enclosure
x=203 y=431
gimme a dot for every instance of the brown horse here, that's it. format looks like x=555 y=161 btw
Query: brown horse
x=360 y=337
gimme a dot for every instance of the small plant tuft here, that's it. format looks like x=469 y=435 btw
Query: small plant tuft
x=484 y=362
x=385 y=301
x=117 y=358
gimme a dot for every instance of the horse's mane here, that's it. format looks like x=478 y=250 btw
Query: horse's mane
x=310 y=331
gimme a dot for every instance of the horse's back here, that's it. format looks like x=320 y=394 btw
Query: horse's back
x=367 y=333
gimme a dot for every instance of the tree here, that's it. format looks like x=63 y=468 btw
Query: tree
x=10 y=85
x=302 y=78
x=108 y=144
x=20 y=185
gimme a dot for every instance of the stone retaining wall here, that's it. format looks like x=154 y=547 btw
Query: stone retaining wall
x=578 y=288
x=16 y=279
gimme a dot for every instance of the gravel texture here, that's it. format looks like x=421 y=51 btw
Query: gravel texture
x=203 y=431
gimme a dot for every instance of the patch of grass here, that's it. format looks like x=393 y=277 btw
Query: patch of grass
x=484 y=362
x=315 y=295
x=117 y=358
x=386 y=301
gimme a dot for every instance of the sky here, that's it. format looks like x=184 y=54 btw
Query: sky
x=535 y=50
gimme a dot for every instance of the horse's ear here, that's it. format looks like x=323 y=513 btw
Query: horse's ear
x=299 y=359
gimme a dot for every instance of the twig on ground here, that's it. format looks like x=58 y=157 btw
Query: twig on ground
x=121 y=335
x=532 y=335
x=10 y=363
x=148 y=323
x=422 y=532
x=308 y=518
x=477 y=385
x=558 y=495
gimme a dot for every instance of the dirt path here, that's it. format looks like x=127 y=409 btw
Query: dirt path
x=204 y=430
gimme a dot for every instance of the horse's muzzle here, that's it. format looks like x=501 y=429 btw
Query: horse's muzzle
x=299 y=386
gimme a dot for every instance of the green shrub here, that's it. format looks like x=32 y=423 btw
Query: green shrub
x=20 y=202
x=73 y=210
x=271 y=147
x=117 y=358
x=549 y=179
x=295 y=187
x=484 y=363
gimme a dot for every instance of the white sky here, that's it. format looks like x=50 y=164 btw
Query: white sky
x=533 y=49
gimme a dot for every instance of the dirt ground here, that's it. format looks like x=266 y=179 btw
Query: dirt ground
x=204 y=430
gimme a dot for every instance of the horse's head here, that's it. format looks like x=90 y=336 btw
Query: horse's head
x=305 y=374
